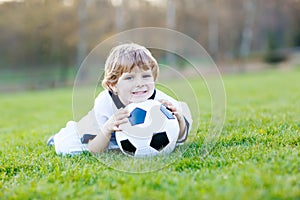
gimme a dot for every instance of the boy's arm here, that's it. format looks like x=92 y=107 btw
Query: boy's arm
x=91 y=134
x=99 y=143
x=183 y=115
x=185 y=122
x=102 y=139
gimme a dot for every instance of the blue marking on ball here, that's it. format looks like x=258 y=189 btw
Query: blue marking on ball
x=137 y=116
x=166 y=112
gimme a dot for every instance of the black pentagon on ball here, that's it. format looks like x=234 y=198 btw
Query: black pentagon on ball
x=137 y=116
x=166 y=112
x=159 y=141
x=128 y=147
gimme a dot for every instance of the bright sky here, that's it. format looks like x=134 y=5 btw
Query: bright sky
x=3 y=1
x=115 y=2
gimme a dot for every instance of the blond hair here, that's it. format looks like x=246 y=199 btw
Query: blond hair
x=123 y=58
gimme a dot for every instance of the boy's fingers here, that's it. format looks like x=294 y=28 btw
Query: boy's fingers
x=116 y=127
x=122 y=116
x=123 y=121
x=166 y=103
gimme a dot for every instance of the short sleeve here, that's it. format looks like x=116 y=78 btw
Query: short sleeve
x=103 y=108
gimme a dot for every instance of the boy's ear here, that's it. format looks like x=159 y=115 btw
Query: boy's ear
x=113 y=89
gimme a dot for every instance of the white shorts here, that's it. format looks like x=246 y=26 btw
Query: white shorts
x=68 y=141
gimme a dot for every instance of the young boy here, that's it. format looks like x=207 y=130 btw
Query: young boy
x=130 y=75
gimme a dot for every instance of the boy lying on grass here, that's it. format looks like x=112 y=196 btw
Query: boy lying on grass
x=130 y=75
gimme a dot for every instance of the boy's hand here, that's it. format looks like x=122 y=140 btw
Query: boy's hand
x=169 y=105
x=172 y=108
x=113 y=123
x=178 y=115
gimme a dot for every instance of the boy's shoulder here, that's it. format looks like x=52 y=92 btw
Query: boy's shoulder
x=103 y=99
x=159 y=94
x=162 y=95
x=103 y=96
x=104 y=103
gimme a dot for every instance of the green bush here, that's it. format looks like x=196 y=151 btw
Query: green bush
x=274 y=55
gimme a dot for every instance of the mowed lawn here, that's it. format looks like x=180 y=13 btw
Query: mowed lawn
x=257 y=155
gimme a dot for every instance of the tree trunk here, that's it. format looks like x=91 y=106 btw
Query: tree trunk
x=81 y=45
x=171 y=23
x=213 y=30
x=247 y=33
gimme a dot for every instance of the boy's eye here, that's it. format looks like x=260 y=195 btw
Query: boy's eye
x=147 y=76
x=128 y=78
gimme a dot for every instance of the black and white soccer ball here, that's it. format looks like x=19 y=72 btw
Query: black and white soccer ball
x=152 y=130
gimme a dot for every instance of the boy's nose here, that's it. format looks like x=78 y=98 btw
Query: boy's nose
x=139 y=82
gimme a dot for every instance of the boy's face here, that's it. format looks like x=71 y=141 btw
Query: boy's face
x=135 y=86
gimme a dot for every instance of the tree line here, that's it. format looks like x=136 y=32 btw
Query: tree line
x=60 y=33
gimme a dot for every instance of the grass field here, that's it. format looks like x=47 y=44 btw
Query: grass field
x=256 y=156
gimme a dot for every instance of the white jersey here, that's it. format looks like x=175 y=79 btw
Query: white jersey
x=74 y=137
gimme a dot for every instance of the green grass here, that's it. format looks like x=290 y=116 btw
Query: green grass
x=256 y=156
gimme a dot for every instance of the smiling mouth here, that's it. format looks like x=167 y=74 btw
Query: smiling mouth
x=139 y=92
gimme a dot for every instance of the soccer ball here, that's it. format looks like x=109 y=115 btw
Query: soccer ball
x=152 y=130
